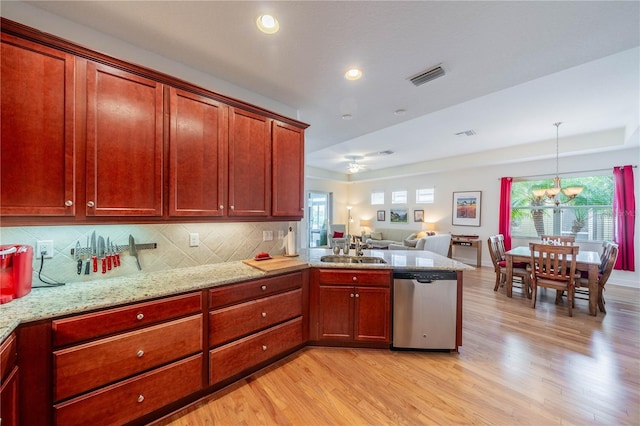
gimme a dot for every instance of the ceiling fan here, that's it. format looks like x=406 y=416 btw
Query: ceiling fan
x=355 y=167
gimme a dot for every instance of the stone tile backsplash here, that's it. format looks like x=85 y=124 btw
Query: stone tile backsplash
x=219 y=242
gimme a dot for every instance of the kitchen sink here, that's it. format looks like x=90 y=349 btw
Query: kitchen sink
x=335 y=258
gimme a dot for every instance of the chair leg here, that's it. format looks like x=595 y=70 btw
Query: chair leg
x=534 y=291
x=601 y=300
x=527 y=286
x=570 y=301
x=498 y=279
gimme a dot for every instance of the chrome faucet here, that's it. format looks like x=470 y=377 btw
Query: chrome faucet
x=358 y=248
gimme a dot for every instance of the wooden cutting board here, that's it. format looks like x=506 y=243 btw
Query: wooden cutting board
x=277 y=264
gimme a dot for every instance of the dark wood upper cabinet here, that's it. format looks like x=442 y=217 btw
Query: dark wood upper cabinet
x=37 y=175
x=124 y=143
x=129 y=143
x=197 y=155
x=287 y=170
x=249 y=164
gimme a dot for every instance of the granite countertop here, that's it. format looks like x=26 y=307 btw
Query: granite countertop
x=76 y=298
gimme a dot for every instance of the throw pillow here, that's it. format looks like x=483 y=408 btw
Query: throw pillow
x=337 y=234
x=376 y=236
x=421 y=234
x=410 y=243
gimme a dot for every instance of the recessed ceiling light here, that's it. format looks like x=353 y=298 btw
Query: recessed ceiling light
x=353 y=74
x=400 y=111
x=347 y=117
x=268 y=24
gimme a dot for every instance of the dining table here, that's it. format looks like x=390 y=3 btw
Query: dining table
x=588 y=261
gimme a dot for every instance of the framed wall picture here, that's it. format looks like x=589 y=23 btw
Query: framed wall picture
x=418 y=215
x=466 y=208
x=380 y=216
x=398 y=216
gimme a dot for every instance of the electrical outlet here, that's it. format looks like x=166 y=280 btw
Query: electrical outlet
x=45 y=248
x=194 y=239
x=267 y=235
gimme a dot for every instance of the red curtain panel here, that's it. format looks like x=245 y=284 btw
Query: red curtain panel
x=624 y=216
x=504 y=224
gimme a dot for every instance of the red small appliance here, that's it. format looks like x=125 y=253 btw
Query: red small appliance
x=16 y=271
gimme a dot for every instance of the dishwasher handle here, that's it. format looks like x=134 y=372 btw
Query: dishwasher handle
x=424 y=280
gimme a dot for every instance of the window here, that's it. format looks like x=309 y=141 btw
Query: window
x=377 y=198
x=399 y=197
x=589 y=216
x=425 y=195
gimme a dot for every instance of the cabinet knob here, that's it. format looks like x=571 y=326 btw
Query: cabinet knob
x=264 y=347
x=68 y=203
x=351 y=295
x=91 y=204
x=357 y=294
x=264 y=287
x=140 y=316
x=140 y=398
x=264 y=315
x=355 y=278
x=221 y=207
x=233 y=207
x=140 y=353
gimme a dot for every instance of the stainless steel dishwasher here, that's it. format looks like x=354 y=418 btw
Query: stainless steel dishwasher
x=424 y=309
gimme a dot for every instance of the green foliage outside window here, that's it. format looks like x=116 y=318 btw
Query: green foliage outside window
x=588 y=217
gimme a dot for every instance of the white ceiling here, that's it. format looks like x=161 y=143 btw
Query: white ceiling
x=513 y=68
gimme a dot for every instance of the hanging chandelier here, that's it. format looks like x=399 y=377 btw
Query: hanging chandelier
x=552 y=193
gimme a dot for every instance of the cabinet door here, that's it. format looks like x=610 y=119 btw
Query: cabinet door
x=249 y=164
x=124 y=143
x=288 y=170
x=372 y=314
x=9 y=399
x=197 y=159
x=335 y=316
x=37 y=91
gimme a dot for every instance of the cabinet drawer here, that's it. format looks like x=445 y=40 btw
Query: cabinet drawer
x=239 y=320
x=88 y=366
x=246 y=353
x=227 y=295
x=8 y=355
x=355 y=277
x=84 y=327
x=133 y=398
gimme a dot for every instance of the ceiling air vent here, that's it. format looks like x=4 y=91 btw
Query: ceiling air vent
x=427 y=75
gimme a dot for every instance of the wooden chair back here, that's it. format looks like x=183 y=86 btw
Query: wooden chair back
x=612 y=250
x=496 y=249
x=555 y=263
x=567 y=240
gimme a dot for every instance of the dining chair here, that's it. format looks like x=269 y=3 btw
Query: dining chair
x=553 y=267
x=497 y=252
x=609 y=257
x=564 y=240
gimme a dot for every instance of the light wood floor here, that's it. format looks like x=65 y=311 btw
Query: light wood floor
x=516 y=366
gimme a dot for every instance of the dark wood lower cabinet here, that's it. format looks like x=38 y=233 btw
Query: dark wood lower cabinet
x=133 y=398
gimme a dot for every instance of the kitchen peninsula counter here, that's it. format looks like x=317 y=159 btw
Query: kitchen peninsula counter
x=77 y=298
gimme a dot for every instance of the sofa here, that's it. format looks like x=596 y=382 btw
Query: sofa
x=382 y=238
x=438 y=244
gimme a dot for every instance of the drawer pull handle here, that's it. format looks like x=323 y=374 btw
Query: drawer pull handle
x=140 y=353
x=264 y=347
x=140 y=398
x=140 y=316
x=264 y=287
x=264 y=315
